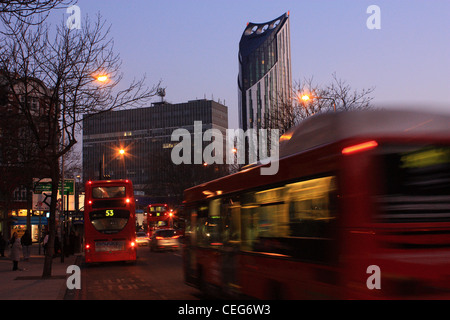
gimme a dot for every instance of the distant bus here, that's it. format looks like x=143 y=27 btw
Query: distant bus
x=109 y=221
x=360 y=208
x=159 y=216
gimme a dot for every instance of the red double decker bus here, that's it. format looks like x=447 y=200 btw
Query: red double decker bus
x=359 y=209
x=109 y=221
x=159 y=216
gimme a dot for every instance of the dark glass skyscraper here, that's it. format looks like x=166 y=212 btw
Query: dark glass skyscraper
x=265 y=77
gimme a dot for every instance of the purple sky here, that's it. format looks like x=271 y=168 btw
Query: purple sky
x=192 y=46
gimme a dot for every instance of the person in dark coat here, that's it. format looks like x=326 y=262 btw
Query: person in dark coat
x=2 y=245
x=45 y=242
x=26 y=244
x=56 y=247
x=16 y=248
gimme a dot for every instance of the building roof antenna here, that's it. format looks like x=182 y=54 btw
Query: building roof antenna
x=161 y=92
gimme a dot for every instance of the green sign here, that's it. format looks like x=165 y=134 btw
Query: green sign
x=69 y=187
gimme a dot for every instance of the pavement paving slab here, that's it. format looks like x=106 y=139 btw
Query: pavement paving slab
x=27 y=283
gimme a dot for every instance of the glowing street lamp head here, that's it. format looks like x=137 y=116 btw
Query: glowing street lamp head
x=305 y=97
x=121 y=151
x=102 y=78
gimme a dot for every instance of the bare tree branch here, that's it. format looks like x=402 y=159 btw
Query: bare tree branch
x=62 y=70
x=23 y=10
x=338 y=95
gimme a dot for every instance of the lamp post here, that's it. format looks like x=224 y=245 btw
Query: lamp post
x=171 y=218
x=120 y=152
x=102 y=78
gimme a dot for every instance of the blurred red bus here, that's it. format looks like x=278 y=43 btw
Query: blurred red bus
x=109 y=221
x=360 y=208
x=159 y=216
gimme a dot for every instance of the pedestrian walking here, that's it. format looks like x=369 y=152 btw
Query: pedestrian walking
x=45 y=242
x=16 y=248
x=71 y=246
x=26 y=244
x=56 y=247
x=2 y=245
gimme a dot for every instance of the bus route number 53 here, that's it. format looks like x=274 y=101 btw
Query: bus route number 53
x=109 y=213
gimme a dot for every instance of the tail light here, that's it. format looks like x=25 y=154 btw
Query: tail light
x=159 y=238
x=133 y=244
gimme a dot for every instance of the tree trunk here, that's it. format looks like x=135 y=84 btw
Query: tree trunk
x=29 y=207
x=47 y=271
x=6 y=218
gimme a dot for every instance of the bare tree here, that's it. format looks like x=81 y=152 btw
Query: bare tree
x=23 y=10
x=61 y=68
x=18 y=155
x=27 y=8
x=308 y=98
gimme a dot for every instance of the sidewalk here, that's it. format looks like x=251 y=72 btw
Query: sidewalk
x=26 y=283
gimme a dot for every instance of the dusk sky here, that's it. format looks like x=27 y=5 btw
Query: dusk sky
x=192 y=46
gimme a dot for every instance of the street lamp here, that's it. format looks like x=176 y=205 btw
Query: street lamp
x=171 y=218
x=102 y=78
x=306 y=97
x=120 y=152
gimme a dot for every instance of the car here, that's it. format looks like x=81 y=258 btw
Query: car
x=164 y=239
x=142 y=238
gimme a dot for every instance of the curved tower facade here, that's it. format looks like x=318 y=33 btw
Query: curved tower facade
x=265 y=77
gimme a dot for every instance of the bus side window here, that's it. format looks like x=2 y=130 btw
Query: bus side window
x=248 y=223
x=201 y=225
x=295 y=220
x=214 y=223
x=191 y=222
x=264 y=220
x=309 y=208
x=312 y=219
x=209 y=224
x=231 y=213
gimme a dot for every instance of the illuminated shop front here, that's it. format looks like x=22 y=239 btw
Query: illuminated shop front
x=19 y=223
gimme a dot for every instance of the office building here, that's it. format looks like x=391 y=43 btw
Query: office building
x=144 y=135
x=265 y=78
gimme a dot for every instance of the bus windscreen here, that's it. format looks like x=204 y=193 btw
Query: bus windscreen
x=108 y=192
x=109 y=221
